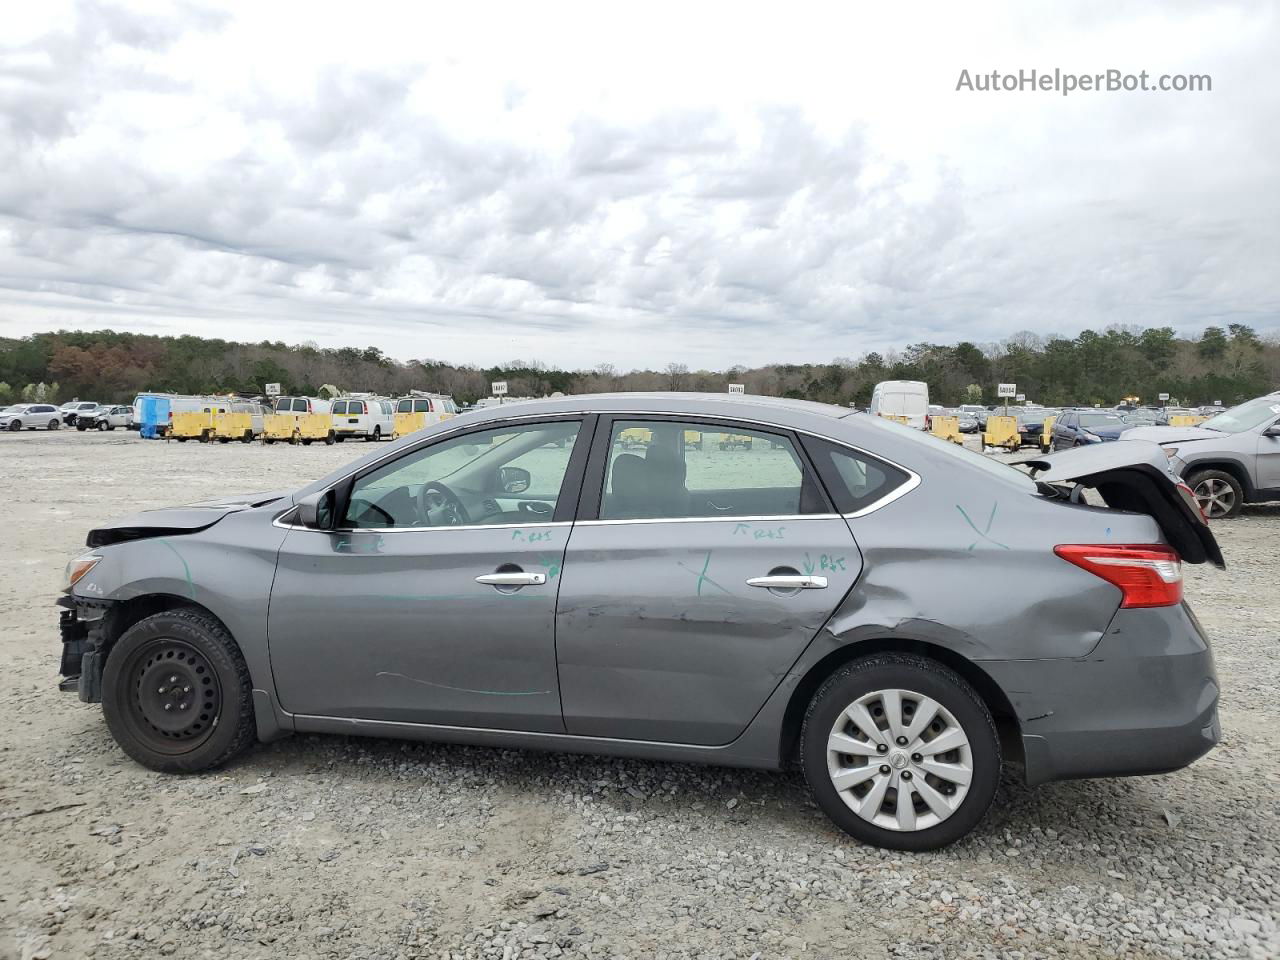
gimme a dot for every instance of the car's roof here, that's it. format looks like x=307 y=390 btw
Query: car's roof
x=711 y=404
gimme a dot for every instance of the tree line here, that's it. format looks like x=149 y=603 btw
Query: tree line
x=1229 y=364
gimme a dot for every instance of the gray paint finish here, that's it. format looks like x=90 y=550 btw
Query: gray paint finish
x=659 y=637
x=389 y=634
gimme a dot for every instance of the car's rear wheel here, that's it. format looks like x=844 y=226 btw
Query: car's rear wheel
x=176 y=693
x=55 y=423
x=1219 y=493
x=900 y=752
x=328 y=441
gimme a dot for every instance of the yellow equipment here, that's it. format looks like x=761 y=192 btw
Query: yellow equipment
x=734 y=441
x=197 y=425
x=693 y=439
x=1046 y=435
x=946 y=428
x=279 y=426
x=905 y=421
x=1186 y=420
x=228 y=426
x=408 y=423
x=1002 y=432
x=635 y=437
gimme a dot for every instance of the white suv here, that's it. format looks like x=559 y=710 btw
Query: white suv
x=30 y=416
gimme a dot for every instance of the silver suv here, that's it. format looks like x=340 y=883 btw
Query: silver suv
x=1229 y=460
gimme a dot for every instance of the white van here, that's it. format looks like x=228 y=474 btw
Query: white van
x=296 y=405
x=902 y=398
x=436 y=406
x=373 y=419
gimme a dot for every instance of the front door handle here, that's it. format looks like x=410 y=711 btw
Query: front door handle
x=517 y=579
x=789 y=582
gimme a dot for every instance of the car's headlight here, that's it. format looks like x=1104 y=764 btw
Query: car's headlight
x=78 y=567
x=1092 y=437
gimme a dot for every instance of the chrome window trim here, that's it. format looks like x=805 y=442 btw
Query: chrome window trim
x=913 y=478
x=284 y=524
x=736 y=519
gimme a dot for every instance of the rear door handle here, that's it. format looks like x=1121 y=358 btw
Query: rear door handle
x=520 y=579
x=789 y=582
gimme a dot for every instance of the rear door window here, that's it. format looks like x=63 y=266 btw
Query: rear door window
x=665 y=469
x=299 y=406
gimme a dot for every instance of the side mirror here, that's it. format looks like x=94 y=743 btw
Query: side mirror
x=1272 y=431
x=317 y=510
x=514 y=479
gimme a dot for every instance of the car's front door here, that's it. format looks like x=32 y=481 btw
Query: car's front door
x=433 y=599
x=694 y=578
x=1064 y=432
x=1269 y=457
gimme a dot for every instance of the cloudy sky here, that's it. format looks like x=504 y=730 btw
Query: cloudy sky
x=632 y=184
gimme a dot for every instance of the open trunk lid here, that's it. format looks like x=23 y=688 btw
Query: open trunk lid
x=1136 y=476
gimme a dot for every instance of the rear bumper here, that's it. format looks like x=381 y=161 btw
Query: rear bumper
x=1145 y=701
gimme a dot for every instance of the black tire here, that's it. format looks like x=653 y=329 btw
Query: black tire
x=181 y=439
x=306 y=443
x=102 y=425
x=55 y=424
x=931 y=679
x=199 y=651
x=339 y=439
x=329 y=440
x=15 y=425
x=268 y=440
x=81 y=425
x=1206 y=482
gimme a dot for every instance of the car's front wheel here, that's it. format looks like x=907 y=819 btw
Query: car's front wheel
x=1219 y=494
x=900 y=752
x=176 y=693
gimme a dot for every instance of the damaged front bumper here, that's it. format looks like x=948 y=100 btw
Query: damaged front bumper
x=84 y=624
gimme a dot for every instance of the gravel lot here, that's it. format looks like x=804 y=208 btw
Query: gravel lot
x=333 y=847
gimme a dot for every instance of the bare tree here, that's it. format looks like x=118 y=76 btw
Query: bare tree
x=676 y=373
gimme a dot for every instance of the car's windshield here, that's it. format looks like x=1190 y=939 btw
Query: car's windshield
x=1246 y=416
x=995 y=468
x=1100 y=420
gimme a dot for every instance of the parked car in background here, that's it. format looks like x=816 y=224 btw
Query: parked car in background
x=371 y=418
x=1146 y=418
x=1078 y=429
x=968 y=423
x=672 y=609
x=1229 y=460
x=72 y=411
x=31 y=416
x=902 y=398
x=106 y=418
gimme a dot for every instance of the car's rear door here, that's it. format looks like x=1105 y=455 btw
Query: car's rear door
x=692 y=580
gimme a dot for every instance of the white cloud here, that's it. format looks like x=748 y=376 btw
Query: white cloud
x=713 y=183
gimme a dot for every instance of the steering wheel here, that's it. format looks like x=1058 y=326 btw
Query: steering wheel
x=440 y=507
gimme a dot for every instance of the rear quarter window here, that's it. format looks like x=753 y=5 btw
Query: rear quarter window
x=855 y=480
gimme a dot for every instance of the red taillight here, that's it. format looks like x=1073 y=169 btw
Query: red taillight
x=1189 y=496
x=1147 y=575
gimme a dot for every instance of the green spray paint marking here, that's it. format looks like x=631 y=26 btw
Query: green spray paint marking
x=550 y=563
x=191 y=587
x=702 y=575
x=533 y=536
x=983 y=534
x=808 y=565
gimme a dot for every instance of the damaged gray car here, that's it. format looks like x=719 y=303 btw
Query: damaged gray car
x=894 y=615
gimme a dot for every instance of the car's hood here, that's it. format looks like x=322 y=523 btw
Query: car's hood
x=1172 y=434
x=173 y=521
x=1137 y=476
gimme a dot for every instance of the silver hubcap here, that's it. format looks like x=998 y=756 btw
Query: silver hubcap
x=899 y=760
x=1216 y=498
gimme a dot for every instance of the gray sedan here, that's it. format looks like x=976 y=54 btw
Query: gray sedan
x=889 y=612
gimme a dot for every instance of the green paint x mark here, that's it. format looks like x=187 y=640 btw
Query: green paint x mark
x=702 y=574
x=191 y=587
x=983 y=534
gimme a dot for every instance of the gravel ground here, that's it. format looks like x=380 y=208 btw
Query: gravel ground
x=332 y=847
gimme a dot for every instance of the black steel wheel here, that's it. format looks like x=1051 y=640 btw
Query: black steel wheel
x=176 y=693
